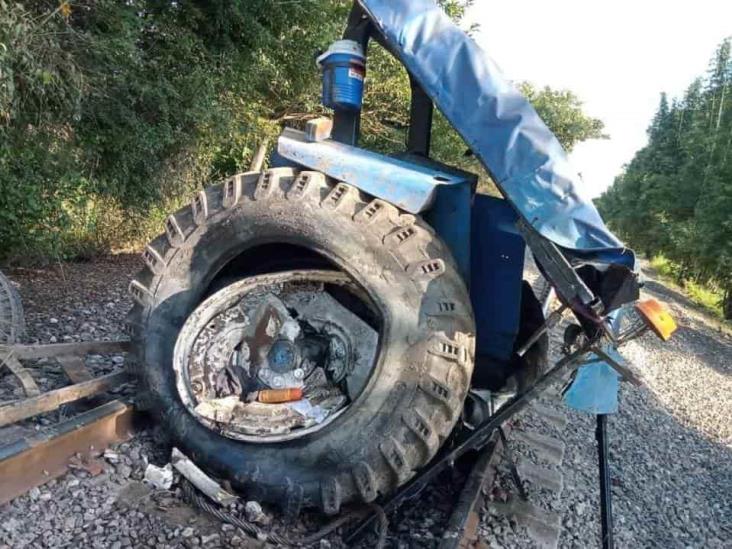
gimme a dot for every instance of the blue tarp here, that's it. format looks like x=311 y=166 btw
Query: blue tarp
x=498 y=123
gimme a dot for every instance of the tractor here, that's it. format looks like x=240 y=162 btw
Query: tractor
x=316 y=332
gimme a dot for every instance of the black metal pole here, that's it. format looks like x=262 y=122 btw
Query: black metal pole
x=606 y=507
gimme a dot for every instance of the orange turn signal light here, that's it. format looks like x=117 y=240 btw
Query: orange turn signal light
x=657 y=318
x=278 y=396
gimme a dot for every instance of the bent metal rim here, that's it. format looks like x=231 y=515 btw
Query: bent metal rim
x=278 y=330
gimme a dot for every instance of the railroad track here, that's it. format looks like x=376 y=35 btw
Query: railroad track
x=503 y=479
x=497 y=463
x=480 y=470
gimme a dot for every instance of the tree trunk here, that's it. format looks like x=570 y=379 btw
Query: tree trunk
x=727 y=304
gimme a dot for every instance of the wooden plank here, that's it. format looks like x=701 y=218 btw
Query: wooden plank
x=29 y=385
x=53 y=350
x=51 y=400
x=258 y=158
x=462 y=527
x=75 y=368
x=35 y=460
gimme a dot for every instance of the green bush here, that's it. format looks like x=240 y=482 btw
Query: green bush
x=707 y=295
x=112 y=113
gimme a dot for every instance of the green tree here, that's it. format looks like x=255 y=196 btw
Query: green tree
x=112 y=113
x=562 y=111
x=675 y=197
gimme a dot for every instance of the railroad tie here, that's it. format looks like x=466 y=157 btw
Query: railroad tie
x=548 y=478
x=543 y=526
x=548 y=448
x=551 y=415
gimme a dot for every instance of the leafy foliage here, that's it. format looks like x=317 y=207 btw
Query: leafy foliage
x=111 y=112
x=675 y=196
x=562 y=111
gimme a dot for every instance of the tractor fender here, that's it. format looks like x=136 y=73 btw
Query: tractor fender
x=409 y=185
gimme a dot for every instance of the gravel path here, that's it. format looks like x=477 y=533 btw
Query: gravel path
x=671 y=445
x=114 y=509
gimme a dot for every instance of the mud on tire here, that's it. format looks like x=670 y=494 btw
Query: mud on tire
x=425 y=359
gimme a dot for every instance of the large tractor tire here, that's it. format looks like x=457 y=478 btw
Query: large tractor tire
x=237 y=260
x=12 y=323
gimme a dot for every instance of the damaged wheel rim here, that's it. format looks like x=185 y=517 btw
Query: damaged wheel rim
x=293 y=337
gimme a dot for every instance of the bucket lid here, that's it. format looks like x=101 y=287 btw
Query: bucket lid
x=350 y=47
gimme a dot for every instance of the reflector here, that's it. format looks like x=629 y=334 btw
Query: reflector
x=657 y=318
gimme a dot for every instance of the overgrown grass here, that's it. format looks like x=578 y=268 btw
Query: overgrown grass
x=709 y=298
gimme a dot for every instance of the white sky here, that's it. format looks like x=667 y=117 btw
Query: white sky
x=616 y=55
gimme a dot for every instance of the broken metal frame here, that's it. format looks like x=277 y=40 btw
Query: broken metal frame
x=481 y=436
x=462 y=526
x=478 y=438
x=36 y=459
x=71 y=357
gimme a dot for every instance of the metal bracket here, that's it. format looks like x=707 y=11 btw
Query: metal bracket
x=408 y=185
x=476 y=439
x=569 y=286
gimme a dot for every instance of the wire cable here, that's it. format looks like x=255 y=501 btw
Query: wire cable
x=252 y=530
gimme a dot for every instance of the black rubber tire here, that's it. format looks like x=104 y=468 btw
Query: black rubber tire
x=12 y=321
x=425 y=359
x=529 y=367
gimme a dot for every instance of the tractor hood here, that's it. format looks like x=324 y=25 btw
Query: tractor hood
x=498 y=123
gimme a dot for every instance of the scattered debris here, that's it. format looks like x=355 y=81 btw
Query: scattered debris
x=276 y=396
x=159 y=477
x=313 y=413
x=199 y=479
x=255 y=513
x=90 y=464
x=111 y=456
x=255 y=348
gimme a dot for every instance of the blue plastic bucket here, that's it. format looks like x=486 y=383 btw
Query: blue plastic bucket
x=344 y=68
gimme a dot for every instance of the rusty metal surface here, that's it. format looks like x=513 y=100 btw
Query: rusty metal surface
x=51 y=400
x=74 y=368
x=462 y=528
x=35 y=460
x=282 y=331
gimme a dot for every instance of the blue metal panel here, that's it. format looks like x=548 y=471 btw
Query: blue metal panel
x=450 y=217
x=497 y=259
x=408 y=185
x=525 y=159
x=450 y=211
x=596 y=385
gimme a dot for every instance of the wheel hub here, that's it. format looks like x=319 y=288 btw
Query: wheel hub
x=282 y=356
x=280 y=331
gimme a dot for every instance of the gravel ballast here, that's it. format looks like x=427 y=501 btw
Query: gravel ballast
x=670 y=445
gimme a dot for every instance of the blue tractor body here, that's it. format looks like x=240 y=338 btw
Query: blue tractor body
x=480 y=230
x=542 y=196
